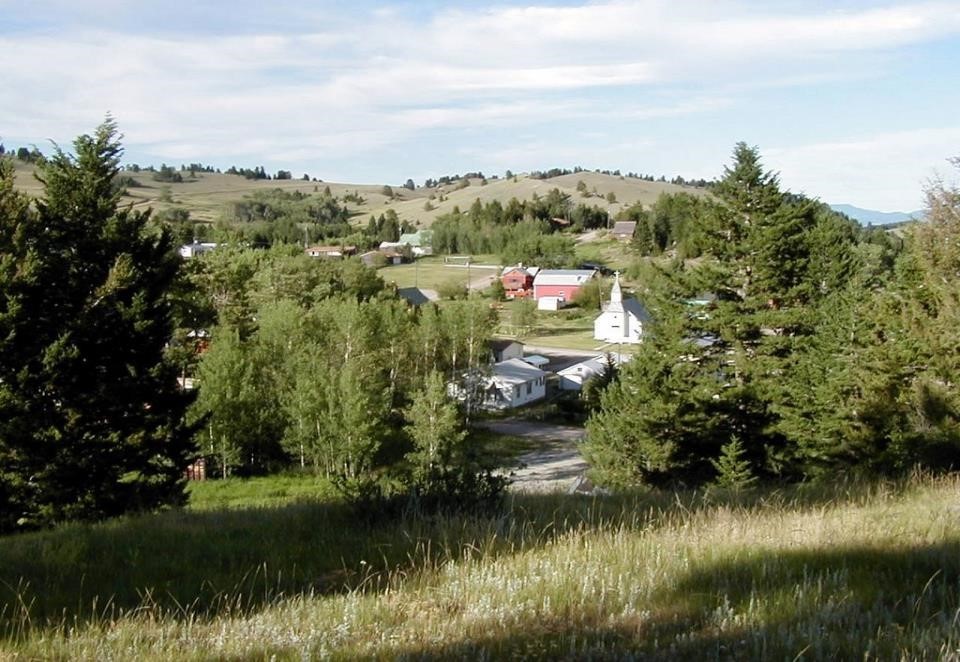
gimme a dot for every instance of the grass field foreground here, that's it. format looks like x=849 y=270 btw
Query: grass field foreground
x=862 y=571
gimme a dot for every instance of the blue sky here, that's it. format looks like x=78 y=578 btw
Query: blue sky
x=850 y=101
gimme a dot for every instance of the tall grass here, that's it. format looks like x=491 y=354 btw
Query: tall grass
x=852 y=571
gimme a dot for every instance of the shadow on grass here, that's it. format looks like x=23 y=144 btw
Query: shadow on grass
x=847 y=603
x=199 y=564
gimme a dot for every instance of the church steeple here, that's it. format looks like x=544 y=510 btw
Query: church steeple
x=616 y=296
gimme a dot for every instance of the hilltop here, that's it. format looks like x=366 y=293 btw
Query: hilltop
x=206 y=194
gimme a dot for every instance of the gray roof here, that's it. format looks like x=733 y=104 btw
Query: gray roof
x=563 y=276
x=594 y=366
x=636 y=309
x=624 y=227
x=413 y=295
x=588 y=368
x=516 y=371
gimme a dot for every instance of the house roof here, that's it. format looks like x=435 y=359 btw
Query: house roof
x=418 y=238
x=594 y=366
x=516 y=371
x=536 y=360
x=624 y=227
x=563 y=276
x=588 y=368
x=531 y=271
x=413 y=295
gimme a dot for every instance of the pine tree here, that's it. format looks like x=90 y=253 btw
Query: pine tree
x=91 y=418
x=733 y=469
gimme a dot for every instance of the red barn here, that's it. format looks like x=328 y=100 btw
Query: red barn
x=518 y=281
x=564 y=284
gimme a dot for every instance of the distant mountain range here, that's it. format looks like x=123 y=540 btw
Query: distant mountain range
x=873 y=217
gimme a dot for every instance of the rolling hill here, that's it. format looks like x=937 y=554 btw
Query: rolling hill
x=206 y=195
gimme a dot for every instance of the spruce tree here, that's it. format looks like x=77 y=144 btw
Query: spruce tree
x=708 y=374
x=91 y=417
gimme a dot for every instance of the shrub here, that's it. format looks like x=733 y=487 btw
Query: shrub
x=452 y=290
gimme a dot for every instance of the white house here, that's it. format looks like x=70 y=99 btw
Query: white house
x=621 y=321
x=330 y=251
x=514 y=383
x=573 y=378
x=196 y=248
x=418 y=241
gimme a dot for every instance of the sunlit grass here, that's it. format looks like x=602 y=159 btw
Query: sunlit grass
x=258 y=491
x=431 y=272
x=825 y=572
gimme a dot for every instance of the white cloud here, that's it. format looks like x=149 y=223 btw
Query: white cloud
x=343 y=84
x=884 y=171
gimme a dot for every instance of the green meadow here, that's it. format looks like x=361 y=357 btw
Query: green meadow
x=840 y=571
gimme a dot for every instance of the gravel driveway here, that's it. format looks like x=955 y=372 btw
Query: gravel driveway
x=555 y=467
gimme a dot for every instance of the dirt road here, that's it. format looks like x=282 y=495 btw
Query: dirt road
x=556 y=466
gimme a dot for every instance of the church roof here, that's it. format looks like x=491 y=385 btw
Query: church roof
x=637 y=309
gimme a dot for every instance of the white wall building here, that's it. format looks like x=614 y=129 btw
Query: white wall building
x=621 y=321
x=514 y=383
x=196 y=248
x=572 y=378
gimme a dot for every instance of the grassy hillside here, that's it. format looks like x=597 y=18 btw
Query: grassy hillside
x=206 y=196
x=838 y=572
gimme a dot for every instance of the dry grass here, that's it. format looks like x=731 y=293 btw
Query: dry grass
x=206 y=196
x=820 y=573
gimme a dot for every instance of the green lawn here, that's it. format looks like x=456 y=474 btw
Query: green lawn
x=569 y=328
x=258 y=492
x=431 y=272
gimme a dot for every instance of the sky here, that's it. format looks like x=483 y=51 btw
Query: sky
x=850 y=101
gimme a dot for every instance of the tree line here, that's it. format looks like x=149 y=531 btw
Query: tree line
x=520 y=231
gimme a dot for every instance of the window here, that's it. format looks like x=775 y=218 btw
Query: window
x=529 y=388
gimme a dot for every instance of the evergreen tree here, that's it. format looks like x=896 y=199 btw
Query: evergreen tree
x=709 y=375
x=733 y=469
x=91 y=418
x=885 y=359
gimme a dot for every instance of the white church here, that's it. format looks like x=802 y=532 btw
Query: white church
x=622 y=320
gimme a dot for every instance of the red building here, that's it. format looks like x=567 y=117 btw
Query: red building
x=518 y=281
x=563 y=284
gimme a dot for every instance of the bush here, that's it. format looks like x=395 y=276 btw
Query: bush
x=452 y=290
x=456 y=490
x=497 y=291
